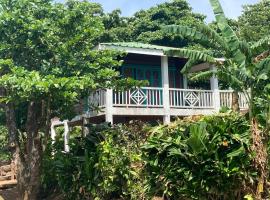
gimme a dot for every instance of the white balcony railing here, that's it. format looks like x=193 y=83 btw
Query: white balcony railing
x=186 y=98
x=138 y=97
x=150 y=97
x=226 y=99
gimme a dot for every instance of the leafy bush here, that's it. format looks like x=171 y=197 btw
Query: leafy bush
x=70 y=173
x=208 y=158
x=120 y=163
x=104 y=165
x=200 y=158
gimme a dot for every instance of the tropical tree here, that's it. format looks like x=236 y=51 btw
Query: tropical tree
x=145 y=25
x=254 y=21
x=244 y=66
x=47 y=65
x=117 y=28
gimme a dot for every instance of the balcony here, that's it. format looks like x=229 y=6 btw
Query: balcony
x=152 y=101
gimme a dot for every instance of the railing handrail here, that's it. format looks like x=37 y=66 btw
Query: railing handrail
x=226 y=91
x=192 y=90
x=147 y=88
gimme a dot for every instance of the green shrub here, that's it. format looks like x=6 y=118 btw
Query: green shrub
x=207 y=158
x=120 y=163
x=73 y=173
x=104 y=165
x=200 y=158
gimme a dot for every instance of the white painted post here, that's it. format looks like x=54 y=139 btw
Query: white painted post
x=185 y=82
x=66 y=136
x=215 y=89
x=109 y=106
x=53 y=133
x=166 y=92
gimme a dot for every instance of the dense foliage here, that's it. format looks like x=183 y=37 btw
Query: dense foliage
x=254 y=21
x=195 y=158
x=104 y=165
x=245 y=68
x=204 y=159
x=145 y=25
x=47 y=64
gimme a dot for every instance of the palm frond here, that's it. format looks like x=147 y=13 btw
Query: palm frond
x=191 y=54
x=245 y=49
x=211 y=35
x=190 y=63
x=184 y=31
x=262 y=43
x=200 y=33
x=205 y=75
x=264 y=64
x=228 y=76
x=227 y=32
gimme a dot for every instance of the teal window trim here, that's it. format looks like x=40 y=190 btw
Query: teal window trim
x=152 y=68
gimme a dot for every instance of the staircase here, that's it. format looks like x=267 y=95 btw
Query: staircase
x=8 y=176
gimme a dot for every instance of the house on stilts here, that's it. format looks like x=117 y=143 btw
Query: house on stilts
x=169 y=94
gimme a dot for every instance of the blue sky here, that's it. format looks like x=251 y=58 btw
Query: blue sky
x=232 y=8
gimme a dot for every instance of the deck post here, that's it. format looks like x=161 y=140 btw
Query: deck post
x=53 y=133
x=185 y=82
x=166 y=92
x=66 y=136
x=54 y=121
x=109 y=106
x=215 y=89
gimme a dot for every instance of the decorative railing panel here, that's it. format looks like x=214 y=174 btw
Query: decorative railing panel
x=138 y=97
x=185 y=98
x=97 y=99
x=226 y=97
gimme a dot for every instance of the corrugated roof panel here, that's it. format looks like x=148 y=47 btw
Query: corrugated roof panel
x=137 y=45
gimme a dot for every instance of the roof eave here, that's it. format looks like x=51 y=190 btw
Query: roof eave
x=153 y=52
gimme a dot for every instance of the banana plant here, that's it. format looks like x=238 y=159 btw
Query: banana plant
x=245 y=67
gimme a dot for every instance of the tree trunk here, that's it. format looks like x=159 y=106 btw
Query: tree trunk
x=260 y=161
x=30 y=163
x=47 y=120
x=12 y=132
x=235 y=101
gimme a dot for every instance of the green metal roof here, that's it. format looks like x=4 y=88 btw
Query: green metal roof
x=138 y=45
